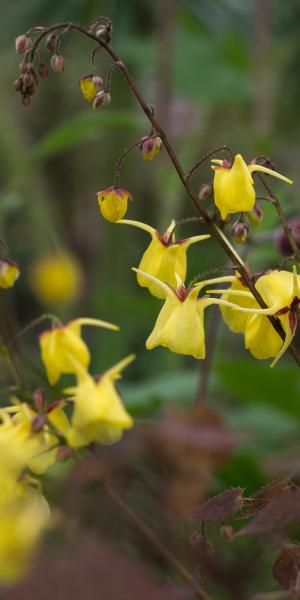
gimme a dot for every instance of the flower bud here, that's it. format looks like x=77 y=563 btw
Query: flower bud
x=239 y=232
x=256 y=215
x=18 y=84
x=150 y=147
x=104 y=33
x=226 y=532
x=51 y=42
x=205 y=191
x=102 y=98
x=9 y=272
x=25 y=101
x=57 y=63
x=23 y=44
x=27 y=80
x=113 y=203
x=43 y=71
x=89 y=86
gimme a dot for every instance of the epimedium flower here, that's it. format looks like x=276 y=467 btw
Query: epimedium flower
x=17 y=448
x=279 y=290
x=99 y=414
x=164 y=257
x=56 y=278
x=90 y=85
x=64 y=351
x=113 y=203
x=150 y=147
x=24 y=516
x=234 y=185
x=180 y=323
x=9 y=273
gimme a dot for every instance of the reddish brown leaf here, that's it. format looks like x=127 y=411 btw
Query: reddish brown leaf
x=221 y=507
x=275 y=515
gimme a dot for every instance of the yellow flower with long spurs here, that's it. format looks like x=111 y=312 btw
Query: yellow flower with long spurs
x=64 y=351
x=24 y=515
x=99 y=414
x=164 y=257
x=279 y=290
x=234 y=185
x=180 y=323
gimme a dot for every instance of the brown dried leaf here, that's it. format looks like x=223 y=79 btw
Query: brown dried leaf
x=286 y=567
x=221 y=507
x=280 y=511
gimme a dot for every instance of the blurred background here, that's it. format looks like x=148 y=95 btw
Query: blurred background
x=222 y=72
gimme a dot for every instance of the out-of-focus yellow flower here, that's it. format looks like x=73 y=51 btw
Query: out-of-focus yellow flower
x=90 y=85
x=44 y=442
x=56 y=279
x=99 y=414
x=233 y=185
x=17 y=448
x=113 y=203
x=236 y=320
x=164 y=257
x=280 y=291
x=9 y=273
x=150 y=147
x=64 y=351
x=24 y=515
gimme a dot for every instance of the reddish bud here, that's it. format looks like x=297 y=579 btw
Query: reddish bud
x=57 y=63
x=256 y=215
x=39 y=399
x=25 y=100
x=239 y=232
x=51 y=42
x=43 y=71
x=23 y=44
x=38 y=423
x=150 y=147
x=205 y=191
x=101 y=99
x=226 y=532
x=18 y=84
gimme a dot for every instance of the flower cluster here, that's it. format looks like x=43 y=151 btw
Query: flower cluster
x=33 y=434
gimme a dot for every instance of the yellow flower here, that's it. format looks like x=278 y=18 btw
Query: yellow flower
x=281 y=292
x=64 y=351
x=163 y=258
x=89 y=86
x=113 y=203
x=56 y=279
x=233 y=185
x=150 y=147
x=44 y=442
x=24 y=515
x=236 y=320
x=180 y=323
x=17 y=448
x=9 y=273
x=99 y=415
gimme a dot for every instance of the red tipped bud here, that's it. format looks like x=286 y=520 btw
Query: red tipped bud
x=57 y=63
x=101 y=99
x=150 y=147
x=239 y=232
x=25 y=100
x=256 y=215
x=43 y=71
x=23 y=44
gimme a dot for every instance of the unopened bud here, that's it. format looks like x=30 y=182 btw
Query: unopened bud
x=23 y=44
x=51 y=42
x=39 y=399
x=25 y=100
x=227 y=533
x=43 y=71
x=38 y=423
x=64 y=453
x=205 y=191
x=104 y=33
x=256 y=215
x=150 y=147
x=18 y=84
x=27 y=80
x=101 y=99
x=97 y=81
x=239 y=232
x=57 y=63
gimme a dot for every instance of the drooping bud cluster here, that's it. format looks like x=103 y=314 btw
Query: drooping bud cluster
x=239 y=232
x=27 y=83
